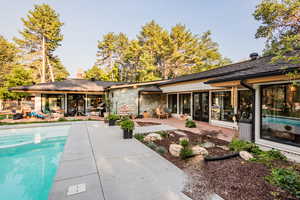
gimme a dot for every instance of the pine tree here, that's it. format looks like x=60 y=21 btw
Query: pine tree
x=41 y=36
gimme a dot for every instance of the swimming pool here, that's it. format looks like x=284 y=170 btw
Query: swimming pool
x=28 y=161
x=281 y=120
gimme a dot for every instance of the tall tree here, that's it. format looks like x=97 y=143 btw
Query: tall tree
x=281 y=27
x=41 y=36
x=157 y=54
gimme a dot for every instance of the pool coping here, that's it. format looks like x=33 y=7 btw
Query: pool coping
x=35 y=125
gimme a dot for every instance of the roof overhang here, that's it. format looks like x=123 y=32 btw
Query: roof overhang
x=56 y=92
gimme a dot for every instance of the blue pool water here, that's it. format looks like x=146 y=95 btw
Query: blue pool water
x=28 y=161
x=281 y=120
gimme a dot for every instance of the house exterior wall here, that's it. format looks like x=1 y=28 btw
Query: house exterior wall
x=37 y=103
x=122 y=97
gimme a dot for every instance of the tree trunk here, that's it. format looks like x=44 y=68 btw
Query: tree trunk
x=50 y=69
x=43 y=78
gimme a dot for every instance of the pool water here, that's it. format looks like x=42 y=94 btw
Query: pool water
x=281 y=120
x=28 y=161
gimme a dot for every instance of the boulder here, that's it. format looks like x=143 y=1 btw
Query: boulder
x=197 y=150
x=152 y=137
x=226 y=148
x=245 y=155
x=175 y=149
x=208 y=145
x=180 y=133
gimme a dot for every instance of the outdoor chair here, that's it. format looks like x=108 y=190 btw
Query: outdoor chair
x=161 y=114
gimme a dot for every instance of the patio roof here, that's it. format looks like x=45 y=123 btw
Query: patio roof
x=69 y=85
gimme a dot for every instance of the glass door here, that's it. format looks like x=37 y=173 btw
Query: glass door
x=201 y=106
x=76 y=104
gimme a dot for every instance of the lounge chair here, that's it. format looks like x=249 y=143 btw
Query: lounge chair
x=161 y=114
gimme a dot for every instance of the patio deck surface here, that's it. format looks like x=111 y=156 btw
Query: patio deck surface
x=225 y=133
x=113 y=168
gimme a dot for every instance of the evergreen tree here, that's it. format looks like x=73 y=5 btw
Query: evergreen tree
x=41 y=36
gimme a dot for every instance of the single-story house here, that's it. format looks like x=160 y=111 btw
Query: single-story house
x=254 y=92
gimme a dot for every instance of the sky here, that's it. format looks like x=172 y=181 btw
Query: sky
x=231 y=22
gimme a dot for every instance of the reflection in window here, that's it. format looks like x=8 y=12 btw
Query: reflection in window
x=245 y=106
x=95 y=103
x=185 y=103
x=53 y=103
x=172 y=103
x=281 y=113
x=221 y=106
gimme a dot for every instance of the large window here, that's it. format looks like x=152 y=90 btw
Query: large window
x=245 y=106
x=280 y=109
x=185 y=103
x=172 y=103
x=53 y=103
x=95 y=103
x=221 y=106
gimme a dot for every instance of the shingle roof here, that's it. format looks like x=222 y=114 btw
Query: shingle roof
x=73 y=85
x=153 y=88
x=259 y=67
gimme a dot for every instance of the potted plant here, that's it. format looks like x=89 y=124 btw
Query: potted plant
x=112 y=118
x=127 y=126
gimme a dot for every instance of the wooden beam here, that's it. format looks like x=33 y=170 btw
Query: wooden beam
x=186 y=82
x=226 y=84
x=269 y=79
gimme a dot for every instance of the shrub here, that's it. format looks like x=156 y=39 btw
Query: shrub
x=186 y=153
x=240 y=145
x=113 y=117
x=152 y=145
x=127 y=125
x=287 y=179
x=190 y=124
x=184 y=143
x=139 y=137
x=288 y=128
x=161 y=150
x=163 y=134
x=61 y=119
x=267 y=157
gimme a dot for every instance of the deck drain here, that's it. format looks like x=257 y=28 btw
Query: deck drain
x=76 y=189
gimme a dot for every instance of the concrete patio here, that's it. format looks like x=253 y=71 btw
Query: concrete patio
x=113 y=168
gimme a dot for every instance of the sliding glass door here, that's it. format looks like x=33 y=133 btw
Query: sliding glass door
x=201 y=106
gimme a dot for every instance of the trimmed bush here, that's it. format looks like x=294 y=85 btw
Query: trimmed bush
x=184 y=143
x=139 y=137
x=127 y=125
x=190 y=124
x=287 y=179
x=113 y=117
x=186 y=153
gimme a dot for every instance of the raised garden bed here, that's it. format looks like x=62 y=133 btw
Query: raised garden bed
x=232 y=178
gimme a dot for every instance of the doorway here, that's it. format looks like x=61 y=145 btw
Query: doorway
x=201 y=106
x=76 y=104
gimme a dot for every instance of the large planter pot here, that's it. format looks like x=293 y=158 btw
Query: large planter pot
x=127 y=134
x=111 y=122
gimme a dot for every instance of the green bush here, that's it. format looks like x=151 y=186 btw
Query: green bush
x=113 y=117
x=127 y=125
x=161 y=150
x=139 y=137
x=163 y=134
x=267 y=157
x=186 y=153
x=190 y=124
x=287 y=179
x=152 y=145
x=62 y=119
x=240 y=145
x=184 y=143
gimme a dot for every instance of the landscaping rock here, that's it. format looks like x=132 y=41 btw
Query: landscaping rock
x=196 y=162
x=246 y=155
x=197 y=150
x=180 y=133
x=175 y=149
x=183 y=138
x=226 y=148
x=152 y=137
x=208 y=145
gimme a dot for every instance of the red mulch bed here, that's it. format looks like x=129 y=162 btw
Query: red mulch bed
x=232 y=179
x=147 y=123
